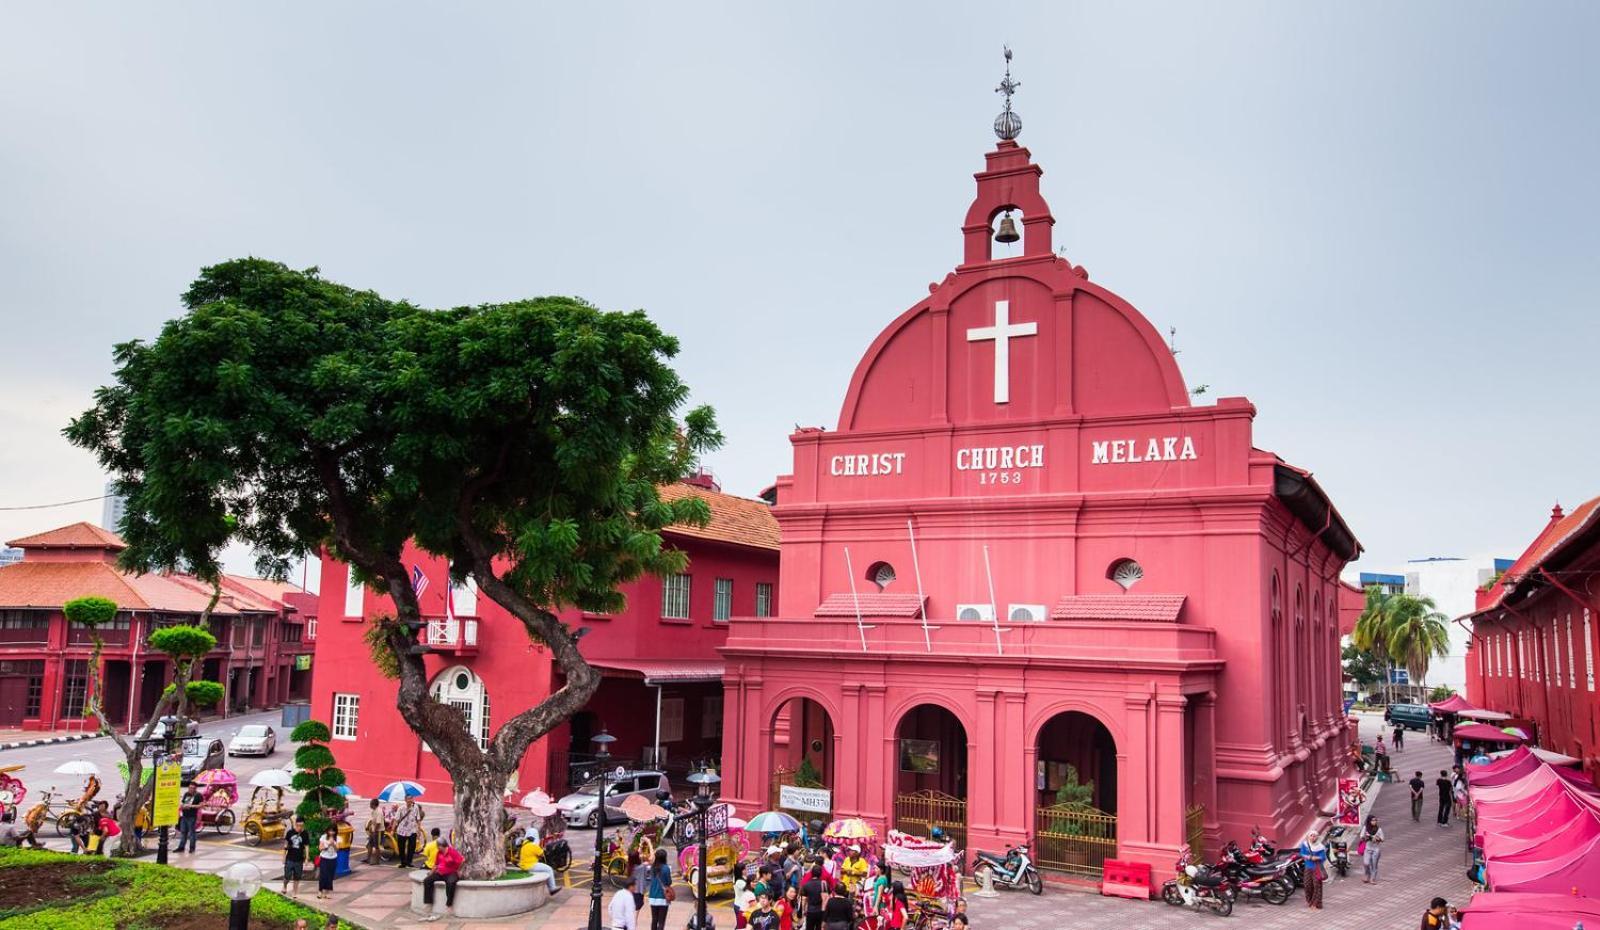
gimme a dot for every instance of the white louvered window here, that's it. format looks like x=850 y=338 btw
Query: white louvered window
x=1555 y=653
x=1588 y=652
x=462 y=689
x=671 y=720
x=722 y=601
x=675 y=597
x=464 y=598
x=346 y=715
x=1572 y=657
x=763 y=598
x=354 y=594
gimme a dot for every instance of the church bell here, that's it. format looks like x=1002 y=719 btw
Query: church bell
x=1008 y=230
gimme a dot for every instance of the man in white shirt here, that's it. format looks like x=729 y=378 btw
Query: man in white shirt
x=622 y=909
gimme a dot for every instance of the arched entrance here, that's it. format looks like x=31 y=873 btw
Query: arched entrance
x=1075 y=795
x=802 y=758
x=931 y=773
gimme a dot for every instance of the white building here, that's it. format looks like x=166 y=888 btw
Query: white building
x=114 y=507
x=1453 y=584
x=10 y=555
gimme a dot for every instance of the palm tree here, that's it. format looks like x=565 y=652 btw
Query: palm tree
x=1415 y=634
x=1370 y=633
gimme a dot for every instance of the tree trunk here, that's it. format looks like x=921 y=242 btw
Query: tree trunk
x=479 y=810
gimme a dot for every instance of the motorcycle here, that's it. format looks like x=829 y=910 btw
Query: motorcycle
x=1014 y=869
x=1254 y=880
x=1264 y=852
x=1339 y=851
x=1199 y=887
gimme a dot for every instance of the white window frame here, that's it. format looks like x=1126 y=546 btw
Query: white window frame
x=711 y=717
x=672 y=720
x=1572 y=657
x=346 y=716
x=763 y=598
x=1588 y=651
x=1555 y=652
x=675 y=592
x=464 y=598
x=355 y=595
x=722 y=600
x=311 y=629
x=475 y=700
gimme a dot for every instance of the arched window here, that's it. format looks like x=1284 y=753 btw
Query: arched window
x=464 y=691
x=1125 y=572
x=881 y=574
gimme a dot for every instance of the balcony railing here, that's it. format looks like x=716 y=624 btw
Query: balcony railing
x=452 y=635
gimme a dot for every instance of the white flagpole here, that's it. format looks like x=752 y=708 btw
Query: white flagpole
x=861 y=626
x=994 y=609
x=922 y=603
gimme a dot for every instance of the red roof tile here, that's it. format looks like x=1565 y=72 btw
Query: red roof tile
x=52 y=584
x=1120 y=608
x=736 y=520
x=1556 y=532
x=80 y=535
x=876 y=604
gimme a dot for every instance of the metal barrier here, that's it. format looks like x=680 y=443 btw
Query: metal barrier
x=920 y=811
x=1194 y=828
x=1074 y=839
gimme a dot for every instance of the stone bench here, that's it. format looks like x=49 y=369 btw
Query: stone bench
x=483 y=899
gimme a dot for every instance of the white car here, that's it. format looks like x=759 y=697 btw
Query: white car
x=254 y=740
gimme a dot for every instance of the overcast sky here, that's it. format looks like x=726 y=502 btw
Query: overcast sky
x=1375 y=220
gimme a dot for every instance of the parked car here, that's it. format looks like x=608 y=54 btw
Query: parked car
x=257 y=739
x=1410 y=716
x=200 y=754
x=191 y=727
x=581 y=807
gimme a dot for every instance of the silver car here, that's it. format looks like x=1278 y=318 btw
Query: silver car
x=254 y=740
x=581 y=806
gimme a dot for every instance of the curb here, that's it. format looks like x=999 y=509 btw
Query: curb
x=49 y=740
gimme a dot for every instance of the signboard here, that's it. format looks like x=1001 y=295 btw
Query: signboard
x=302 y=662
x=1399 y=676
x=813 y=800
x=168 y=775
x=686 y=831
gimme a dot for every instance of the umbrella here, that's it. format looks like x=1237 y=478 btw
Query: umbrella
x=397 y=791
x=735 y=823
x=1518 y=732
x=342 y=791
x=216 y=777
x=771 y=822
x=11 y=768
x=271 y=778
x=78 y=767
x=853 y=828
x=539 y=803
x=640 y=810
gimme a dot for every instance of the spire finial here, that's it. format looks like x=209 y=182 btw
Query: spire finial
x=1008 y=125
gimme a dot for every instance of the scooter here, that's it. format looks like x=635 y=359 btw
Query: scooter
x=1339 y=851
x=1014 y=869
x=1199 y=887
x=1264 y=852
x=1255 y=880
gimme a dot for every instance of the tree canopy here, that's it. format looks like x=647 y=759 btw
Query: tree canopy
x=91 y=610
x=1403 y=630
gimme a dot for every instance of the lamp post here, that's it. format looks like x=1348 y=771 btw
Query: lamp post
x=705 y=795
x=167 y=739
x=240 y=882
x=602 y=757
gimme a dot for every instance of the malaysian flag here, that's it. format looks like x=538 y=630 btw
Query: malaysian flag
x=419 y=581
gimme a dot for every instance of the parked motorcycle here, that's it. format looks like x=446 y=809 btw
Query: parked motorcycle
x=1339 y=851
x=1013 y=869
x=1199 y=887
x=1264 y=852
x=1255 y=880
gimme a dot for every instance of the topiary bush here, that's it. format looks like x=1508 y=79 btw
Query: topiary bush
x=91 y=611
x=200 y=693
x=183 y=642
x=319 y=776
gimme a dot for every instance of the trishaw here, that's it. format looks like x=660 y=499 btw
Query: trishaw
x=547 y=827
x=648 y=829
x=67 y=818
x=12 y=790
x=932 y=882
x=219 y=791
x=265 y=818
x=724 y=855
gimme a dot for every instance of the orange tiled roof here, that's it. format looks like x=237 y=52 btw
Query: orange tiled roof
x=1152 y=608
x=80 y=535
x=52 y=584
x=737 y=520
x=873 y=604
x=1556 y=532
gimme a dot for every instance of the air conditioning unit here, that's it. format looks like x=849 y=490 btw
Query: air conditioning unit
x=1026 y=613
x=980 y=612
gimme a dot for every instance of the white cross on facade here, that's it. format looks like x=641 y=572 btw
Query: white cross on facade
x=1001 y=332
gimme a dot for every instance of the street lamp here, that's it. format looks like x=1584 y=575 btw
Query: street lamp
x=167 y=739
x=705 y=795
x=602 y=756
x=240 y=882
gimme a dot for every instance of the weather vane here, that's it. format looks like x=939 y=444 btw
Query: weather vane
x=1008 y=125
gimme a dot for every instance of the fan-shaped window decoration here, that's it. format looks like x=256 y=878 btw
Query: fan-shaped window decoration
x=1125 y=572
x=464 y=691
x=881 y=574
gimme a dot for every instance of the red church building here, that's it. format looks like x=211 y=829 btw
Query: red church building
x=1029 y=589
x=660 y=695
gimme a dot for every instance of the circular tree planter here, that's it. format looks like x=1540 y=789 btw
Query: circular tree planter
x=483 y=899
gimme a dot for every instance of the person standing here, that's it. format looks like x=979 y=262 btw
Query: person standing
x=764 y=917
x=838 y=913
x=853 y=872
x=660 y=893
x=406 y=826
x=447 y=869
x=814 y=890
x=789 y=909
x=897 y=911
x=1399 y=737
x=1417 y=786
x=296 y=847
x=623 y=912
x=641 y=881
x=1446 y=787
x=1315 y=856
x=374 y=832
x=1437 y=916
x=327 y=861
x=1371 y=850
x=189 y=818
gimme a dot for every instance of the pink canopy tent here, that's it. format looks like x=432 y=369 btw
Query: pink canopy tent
x=1483 y=733
x=1566 y=868
x=1579 y=831
x=1528 y=785
x=1454 y=704
x=1554 y=805
x=1495 y=902
x=1535 y=834
x=1516 y=765
x=1519 y=920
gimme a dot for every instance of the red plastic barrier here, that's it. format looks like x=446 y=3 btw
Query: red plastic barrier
x=1126 y=879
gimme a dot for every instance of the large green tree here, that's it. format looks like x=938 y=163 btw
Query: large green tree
x=1402 y=631
x=524 y=441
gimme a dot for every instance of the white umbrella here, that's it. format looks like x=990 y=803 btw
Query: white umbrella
x=397 y=791
x=78 y=767
x=539 y=803
x=272 y=778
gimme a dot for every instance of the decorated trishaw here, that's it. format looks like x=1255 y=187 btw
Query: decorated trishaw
x=932 y=878
x=12 y=790
x=75 y=809
x=724 y=852
x=648 y=829
x=265 y=818
x=547 y=828
x=219 y=791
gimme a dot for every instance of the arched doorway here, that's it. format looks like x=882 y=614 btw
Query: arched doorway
x=930 y=768
x=462 y=689
x=1075 y=795
x=802 y=758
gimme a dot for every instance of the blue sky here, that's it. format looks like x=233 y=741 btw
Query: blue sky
x=1375 y=220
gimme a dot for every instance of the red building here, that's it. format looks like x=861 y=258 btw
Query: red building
x=44 y=661
x=1025 y=560
x=661 y=693
x=1532 y=652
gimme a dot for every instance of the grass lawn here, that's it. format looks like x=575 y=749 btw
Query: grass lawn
x=56 y=891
